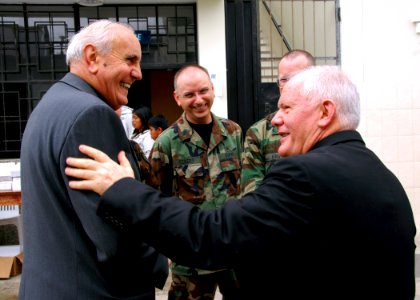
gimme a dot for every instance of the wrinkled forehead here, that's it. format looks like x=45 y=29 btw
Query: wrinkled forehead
x=293 y=90
x=127 y=38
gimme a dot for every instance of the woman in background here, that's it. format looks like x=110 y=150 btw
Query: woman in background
x=141 y=133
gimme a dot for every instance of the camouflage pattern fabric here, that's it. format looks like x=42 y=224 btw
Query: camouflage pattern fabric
x=142 y=161
x=203 y=287
x=183 y=165
x=205 y=176
x=260 y=153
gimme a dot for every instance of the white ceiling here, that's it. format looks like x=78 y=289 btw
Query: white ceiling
x=105 y=1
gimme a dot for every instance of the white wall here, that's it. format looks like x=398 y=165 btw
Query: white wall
x=212 y=48
x=381 y=52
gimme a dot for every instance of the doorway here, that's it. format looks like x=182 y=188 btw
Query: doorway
x=155 y=91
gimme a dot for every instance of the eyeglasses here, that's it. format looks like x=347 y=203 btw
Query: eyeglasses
x=191 y=94
x=282 y=80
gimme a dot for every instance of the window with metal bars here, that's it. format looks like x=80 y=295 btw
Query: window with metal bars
x=33 y=42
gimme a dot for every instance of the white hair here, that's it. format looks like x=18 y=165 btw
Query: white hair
x=330 y=82
x=100 y=33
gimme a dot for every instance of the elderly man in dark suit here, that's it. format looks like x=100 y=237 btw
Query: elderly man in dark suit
x=70 y=253
x=329 y=221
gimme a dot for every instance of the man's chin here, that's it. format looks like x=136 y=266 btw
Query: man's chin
x=283 y=151
x=201 y=113
x=202 y=117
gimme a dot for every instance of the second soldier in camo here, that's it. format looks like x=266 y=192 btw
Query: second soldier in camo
x=262 y=140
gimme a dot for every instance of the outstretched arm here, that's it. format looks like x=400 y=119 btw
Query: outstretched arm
x=98 y=172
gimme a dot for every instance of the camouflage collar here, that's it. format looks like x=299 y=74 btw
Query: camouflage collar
x=185 y=132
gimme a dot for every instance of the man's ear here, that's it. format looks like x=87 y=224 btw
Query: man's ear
x=328 y=109
x=176 y=97
x=91 y=58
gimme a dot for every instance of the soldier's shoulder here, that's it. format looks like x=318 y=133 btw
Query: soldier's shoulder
x=258 y=126
x=168 y=134
x=264 y=123
x=229 y=125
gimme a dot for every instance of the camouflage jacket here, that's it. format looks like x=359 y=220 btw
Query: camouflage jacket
x=183 y=165
x=260 y=152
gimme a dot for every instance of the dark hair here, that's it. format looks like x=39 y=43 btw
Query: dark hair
x=158 y=121
x=144 y=113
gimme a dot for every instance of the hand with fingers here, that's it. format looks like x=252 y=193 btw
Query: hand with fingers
x=98 y=172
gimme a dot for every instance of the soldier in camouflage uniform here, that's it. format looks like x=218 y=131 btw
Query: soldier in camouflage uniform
x=198 y=158
x=260 y=152
x=262 y=140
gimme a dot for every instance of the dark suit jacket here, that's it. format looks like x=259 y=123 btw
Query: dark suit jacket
x=333 y=223
x=70 y=253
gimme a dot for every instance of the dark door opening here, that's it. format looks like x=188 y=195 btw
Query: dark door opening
x=155 y=91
